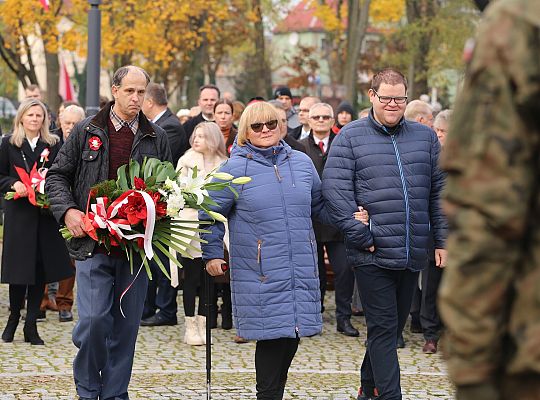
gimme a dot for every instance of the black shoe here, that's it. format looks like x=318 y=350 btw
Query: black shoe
x=158 y=320
x=42 y=315
x=357 y=313
x=400 y=342
x=226 y=319
x=31 y=334
x=65 y=316
x=11 y=327
x=347 y=329
x=368 y=394
x=87 y=398
x=416 y=328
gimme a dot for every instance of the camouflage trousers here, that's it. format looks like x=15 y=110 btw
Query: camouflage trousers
x=525 y=387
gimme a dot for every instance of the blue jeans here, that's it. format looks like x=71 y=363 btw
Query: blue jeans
x=386 y=296
x=105 y=339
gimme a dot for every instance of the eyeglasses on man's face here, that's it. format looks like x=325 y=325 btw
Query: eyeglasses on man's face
x=388 y=99
x=258 y=126
x=319 y=117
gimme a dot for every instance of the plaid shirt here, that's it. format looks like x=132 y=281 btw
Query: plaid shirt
x=118 y=122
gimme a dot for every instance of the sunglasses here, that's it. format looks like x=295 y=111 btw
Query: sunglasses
x=318 y=117
x=258 y=126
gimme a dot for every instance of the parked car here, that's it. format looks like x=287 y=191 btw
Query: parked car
x=7 y=109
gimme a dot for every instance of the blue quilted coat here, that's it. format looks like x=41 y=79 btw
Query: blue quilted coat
x=273 y=252
x=395 y=176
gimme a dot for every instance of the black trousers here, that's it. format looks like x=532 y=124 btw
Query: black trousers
x=194 y=276
x=429 y=314
x=343 y=277
x=272 y=361
x=160 y=294
x=386 y=296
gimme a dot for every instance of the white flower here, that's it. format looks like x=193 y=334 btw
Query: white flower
x=175 y=203
x=223 y=176
x=194 y=186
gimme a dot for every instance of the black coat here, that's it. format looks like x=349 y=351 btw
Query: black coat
x=176 y=134
x=30 y=233
x=295 y=133
x=78 y=167
x=323 y=233
x=190 y=124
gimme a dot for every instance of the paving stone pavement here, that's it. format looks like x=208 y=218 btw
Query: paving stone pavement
x=325 y=366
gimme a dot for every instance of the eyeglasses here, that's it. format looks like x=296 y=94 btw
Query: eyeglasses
x=258 y=126
x=388 y=99
x=318 y=117
x=303 y=110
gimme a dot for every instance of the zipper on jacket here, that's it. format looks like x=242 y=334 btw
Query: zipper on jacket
x=315 y=263
x=259 y=260
x=289 y=242
x=278 y=176
x=405 y=193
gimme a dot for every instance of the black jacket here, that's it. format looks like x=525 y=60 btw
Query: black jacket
x=295 y=144
x=190 y=124
x=175 y=132
x=31 y=234
x=77 y=167
x=323 y=233
x=295 y=133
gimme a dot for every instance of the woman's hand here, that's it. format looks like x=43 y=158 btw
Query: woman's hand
x=361 y=215
x=213 y=267
x=20 y=189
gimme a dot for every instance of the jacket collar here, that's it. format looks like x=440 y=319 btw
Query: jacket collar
x=100 y=120
x=383 y=129
x=269 y=155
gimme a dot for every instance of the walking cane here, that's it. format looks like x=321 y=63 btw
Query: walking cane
x=207 y=281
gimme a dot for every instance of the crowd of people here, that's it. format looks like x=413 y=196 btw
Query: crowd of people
x=363 y=191
x=304 y=174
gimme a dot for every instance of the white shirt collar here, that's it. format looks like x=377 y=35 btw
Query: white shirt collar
x=158 y=116
x=325 y=141
x=33 y=142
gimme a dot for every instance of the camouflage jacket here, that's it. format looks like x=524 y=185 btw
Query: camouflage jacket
x=490 y=294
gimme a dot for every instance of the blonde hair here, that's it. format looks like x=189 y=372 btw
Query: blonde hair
x=213 y=137
x=19 y=135
x=255 y=112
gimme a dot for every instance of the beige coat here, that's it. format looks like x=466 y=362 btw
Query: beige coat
x=185 y=165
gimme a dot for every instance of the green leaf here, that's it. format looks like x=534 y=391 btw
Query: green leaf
x=134 y=170
x=121 y=181
x=169 y=255
x=161 y=266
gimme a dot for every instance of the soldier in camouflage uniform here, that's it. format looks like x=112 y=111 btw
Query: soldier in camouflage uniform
x=490 y=294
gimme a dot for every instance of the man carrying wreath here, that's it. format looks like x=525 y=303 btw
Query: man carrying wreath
x=93 y=152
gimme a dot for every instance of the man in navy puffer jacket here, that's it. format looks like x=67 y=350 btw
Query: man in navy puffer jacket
x=388 y=166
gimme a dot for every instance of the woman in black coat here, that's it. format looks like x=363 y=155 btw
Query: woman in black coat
x=34 y=252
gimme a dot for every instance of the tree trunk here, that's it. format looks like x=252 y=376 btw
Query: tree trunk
x=52 y=97
x=356 y=30
x=196 y=75
x=261 y=73
x=420 y=12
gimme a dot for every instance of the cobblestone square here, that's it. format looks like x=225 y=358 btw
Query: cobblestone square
x=325 y=367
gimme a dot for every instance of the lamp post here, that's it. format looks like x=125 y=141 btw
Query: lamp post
x=94 y=58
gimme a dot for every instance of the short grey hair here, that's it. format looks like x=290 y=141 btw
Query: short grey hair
x=157 y=93
x=75 y=110
x=326 y=105
x=443 y=116
x=121 y=72
x=417 y=108
x=277 y=104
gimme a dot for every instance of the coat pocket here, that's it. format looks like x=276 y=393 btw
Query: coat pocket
x=90 y=155
x=260 y=259
x=314 y=254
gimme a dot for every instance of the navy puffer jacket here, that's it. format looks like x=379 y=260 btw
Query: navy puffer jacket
x=273 y=252
x=394 y=175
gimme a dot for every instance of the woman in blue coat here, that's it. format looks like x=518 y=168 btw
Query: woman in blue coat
x=273 y=252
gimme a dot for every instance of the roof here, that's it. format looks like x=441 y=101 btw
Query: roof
x=302 y=19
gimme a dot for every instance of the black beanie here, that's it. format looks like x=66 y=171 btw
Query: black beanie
x=282 y=91
x=345 y=106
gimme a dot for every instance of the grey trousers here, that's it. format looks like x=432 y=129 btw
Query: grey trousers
x=105 y=339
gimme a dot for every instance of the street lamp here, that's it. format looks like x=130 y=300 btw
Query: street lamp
x=94 y=58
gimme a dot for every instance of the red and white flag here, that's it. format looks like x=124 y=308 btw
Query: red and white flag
x=65 y=87
x=45 y=4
